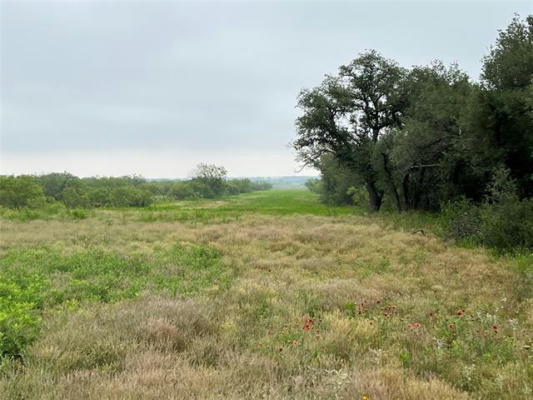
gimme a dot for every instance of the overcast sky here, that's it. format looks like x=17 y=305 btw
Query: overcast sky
x=155 y=87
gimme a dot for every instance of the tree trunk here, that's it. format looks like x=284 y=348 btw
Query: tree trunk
x=418 y=191
x=391 y=182
x=374 y=195
x=406 y=191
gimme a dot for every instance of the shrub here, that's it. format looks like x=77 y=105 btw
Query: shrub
x=502 y=221
x=53 y=184
x=507 y=225
x=74 y=197
x=314 y=185
x=461 y=220
x=359 y=196
x=20 y=191
x=182 y=191
x=19 y=320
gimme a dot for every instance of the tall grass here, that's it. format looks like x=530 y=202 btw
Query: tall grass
x=253 y=304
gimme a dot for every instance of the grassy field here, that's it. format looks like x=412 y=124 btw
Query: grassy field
x=264 y=295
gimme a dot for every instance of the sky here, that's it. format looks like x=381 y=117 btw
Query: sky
x=153 y=88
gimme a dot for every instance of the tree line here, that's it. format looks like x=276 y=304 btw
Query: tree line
x=207 y=181
x=421 y=138
x=427 y=134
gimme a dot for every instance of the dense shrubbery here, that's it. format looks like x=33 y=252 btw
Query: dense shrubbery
x=195 y=188
x=73 y=192
x=502 y=221
x=22 y=191
x=38 y=192
x=503 y=226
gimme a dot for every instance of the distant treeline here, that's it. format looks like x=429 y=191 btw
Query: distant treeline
x=208 y=181
x=428 y=137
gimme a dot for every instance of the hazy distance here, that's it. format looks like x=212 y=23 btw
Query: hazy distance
x=153 y=88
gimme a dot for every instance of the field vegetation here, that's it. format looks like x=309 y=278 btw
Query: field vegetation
x=429 y=138
x=60 y=192
x=404 y=272
x=262 y=295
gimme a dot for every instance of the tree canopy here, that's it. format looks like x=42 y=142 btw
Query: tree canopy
x=422 y=136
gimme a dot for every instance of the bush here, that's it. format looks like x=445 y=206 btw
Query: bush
x=314 y=185
x=507 y=225
x=128 y=196
x=502 y=221
x=25 y=192
x=359 y=196
x=74 y=197
x=461 y=220
x=336 y=181
x=19 y=320
x=21 y=191
x=182 y=191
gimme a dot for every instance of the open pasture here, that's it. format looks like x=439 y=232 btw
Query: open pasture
x=263 y=295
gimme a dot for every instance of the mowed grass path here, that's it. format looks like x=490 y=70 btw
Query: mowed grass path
x=263 y=295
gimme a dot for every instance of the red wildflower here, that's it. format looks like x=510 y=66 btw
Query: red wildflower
x=495 y=328
x=432 y=313
x=460 y=313
x=451 y=326
x=417 y=325
x=306 y=327
x=281 y=349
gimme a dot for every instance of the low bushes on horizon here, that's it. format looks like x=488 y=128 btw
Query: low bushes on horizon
x=39 y=192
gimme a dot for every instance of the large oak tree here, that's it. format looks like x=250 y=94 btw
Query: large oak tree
x=347 y=114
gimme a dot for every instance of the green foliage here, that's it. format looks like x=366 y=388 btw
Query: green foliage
x=510 y=62
x=28 y=192
x=34 y=280
x=421 y=139
x=55 y=183
x=22 y=191
x=52 y=210
x=233 y=208
x=314 y=185
x=501 y=113
x=74 y=197
x=346 y=115
x=337 y=181
x=20 y=296
x=208 y=180
x=209 y=188
x=507 y=225
x=182 y=191
x=461 y=220
x=420 y=164
x=502 y=221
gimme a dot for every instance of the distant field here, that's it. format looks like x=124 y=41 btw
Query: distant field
x=262 y=295
x=277 y=201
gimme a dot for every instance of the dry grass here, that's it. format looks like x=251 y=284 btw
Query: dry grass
x=318 y=307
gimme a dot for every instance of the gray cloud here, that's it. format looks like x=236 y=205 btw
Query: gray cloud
x=218 y=76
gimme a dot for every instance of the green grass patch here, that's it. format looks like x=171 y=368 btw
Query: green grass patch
x=34 y=280
x=229 y=208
